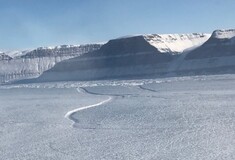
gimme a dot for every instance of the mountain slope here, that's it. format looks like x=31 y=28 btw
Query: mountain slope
x=14 y=54
x=4 y=57
x=33 y=63
x=124 y=57
x=217 y=55
x=176 y=43
x=220 y=44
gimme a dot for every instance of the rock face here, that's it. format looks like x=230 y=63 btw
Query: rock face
x=61 y=51
x=125 y=57
x=35 y=62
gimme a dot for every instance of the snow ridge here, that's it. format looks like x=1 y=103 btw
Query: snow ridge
x=224 y=34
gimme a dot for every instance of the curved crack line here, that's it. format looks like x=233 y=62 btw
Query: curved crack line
x=72 y=112
x=101 y=94
x=147 y=89
x=69 y=114
x=152 y=90
x=116 y=95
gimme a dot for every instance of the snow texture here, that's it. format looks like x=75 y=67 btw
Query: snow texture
x=171 y=118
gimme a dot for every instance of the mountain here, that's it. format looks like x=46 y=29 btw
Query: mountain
x=4 y=57
x=140 y=55
x=14 y=54
x=62 y=50
x=217 y=55
x=220 y=44
x=30 y=64
x=176 y=43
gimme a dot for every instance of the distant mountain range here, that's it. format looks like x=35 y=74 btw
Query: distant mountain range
x=126 y=57
x=141 y=56
x=4 y=57
x=32 y=63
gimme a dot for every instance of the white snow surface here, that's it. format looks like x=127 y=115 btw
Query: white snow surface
x=171 y=118
x=176 y=43
x=224 y=34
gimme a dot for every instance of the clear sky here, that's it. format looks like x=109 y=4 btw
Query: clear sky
x=33 y=23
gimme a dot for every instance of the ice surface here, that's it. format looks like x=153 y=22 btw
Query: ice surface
x=170 y=118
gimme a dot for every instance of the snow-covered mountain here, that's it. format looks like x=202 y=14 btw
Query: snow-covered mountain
x=32 y=63
x=16 y=53
x=62 y=50
x=126 y=57
x=4 y=57
x=215 y=55
x=220 y=44
x=133 y=56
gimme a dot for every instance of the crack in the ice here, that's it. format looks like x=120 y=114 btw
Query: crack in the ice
x=59 y=151
x=70 y=114
x=147 y=89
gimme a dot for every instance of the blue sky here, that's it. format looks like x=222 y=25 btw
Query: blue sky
x=32 y=23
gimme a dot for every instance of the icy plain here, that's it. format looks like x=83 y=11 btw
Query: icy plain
x=170 y=118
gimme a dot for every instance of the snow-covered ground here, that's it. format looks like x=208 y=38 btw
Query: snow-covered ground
x=169 y=118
